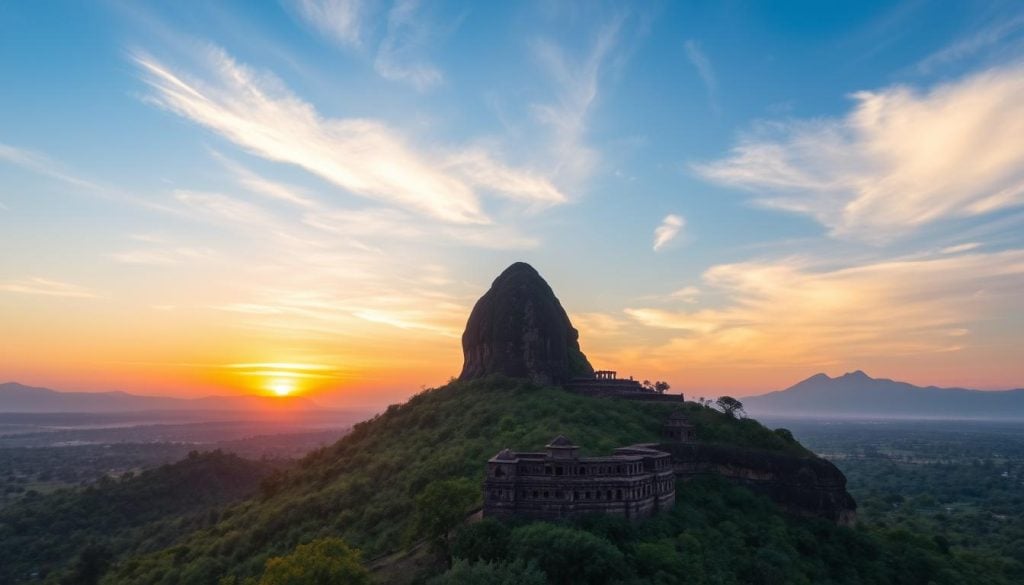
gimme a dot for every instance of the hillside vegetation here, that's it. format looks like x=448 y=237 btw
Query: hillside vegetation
x=46 y=534
x=363 y=487
x=370 y=488
x=717 y=534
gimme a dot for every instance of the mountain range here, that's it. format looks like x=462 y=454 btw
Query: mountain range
x=856 y=394
x=18 y=398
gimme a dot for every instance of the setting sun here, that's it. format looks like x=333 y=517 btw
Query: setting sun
x=282 y=387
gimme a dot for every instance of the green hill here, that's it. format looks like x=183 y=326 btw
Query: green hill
x=364 y=488
x=44 y=535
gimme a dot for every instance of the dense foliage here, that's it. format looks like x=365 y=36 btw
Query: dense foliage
x=327 y=561
x=718 y=533
x=364 y=487
x=960 y=482
x=86 y=528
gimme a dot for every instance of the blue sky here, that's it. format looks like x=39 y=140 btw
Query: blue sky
x=730 y=196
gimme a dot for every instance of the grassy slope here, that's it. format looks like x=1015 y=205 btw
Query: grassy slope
x=362 y=487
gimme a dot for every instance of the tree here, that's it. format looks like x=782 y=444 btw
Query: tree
x=661 y=387
x=442 y=507
x=327 y=561
x=568 y=556
x=730 y=406
x=92 y=563
x=486 y=540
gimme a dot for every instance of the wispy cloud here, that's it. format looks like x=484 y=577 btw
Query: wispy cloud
x=43 y=165
x=794 y=311
x=687 y=294
x=700 y=61
x=400 y=55
x=311 y=312
x=46 y=166
x=992 y=35
x=46 y=287
x=960 y=248
x=365 y=157
x=264 y=186
x=341 y=21
x=900 y=159
x=668 y=230
x=401 y=51
x=286 y=370
x=577 y=82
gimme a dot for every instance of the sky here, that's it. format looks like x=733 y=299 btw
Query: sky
x=308 y=196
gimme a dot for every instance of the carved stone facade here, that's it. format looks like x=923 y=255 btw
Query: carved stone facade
x=634 y=482
x=678 y=428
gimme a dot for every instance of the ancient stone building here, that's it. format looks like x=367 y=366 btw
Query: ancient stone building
x=634 y=482
x=678 y=428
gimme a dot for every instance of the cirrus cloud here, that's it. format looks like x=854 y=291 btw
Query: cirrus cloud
x=364 y=157
x=900 y=159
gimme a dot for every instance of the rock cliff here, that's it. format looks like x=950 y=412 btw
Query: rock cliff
x=802 y=485
x=519 y=329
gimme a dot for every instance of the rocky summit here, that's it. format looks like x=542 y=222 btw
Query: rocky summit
x=519 y=329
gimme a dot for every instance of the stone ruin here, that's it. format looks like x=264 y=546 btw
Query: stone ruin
x=634 y=482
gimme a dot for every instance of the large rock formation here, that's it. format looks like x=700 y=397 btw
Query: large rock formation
x=802 y=485
x=518 y=328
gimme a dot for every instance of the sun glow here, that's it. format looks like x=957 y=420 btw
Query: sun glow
x=281 y=386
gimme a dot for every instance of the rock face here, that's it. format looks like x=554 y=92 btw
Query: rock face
x=519 y=329
x=808 y=486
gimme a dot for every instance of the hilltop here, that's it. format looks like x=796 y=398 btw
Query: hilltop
x=855 y=394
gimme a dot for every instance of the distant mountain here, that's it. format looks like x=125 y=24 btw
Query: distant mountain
x=856 y=394
x=19 y=398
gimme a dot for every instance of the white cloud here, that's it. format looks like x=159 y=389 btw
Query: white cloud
x=687 y=294
x=481 y=169
x=46 y=287
x=339 y=20
x=400 y=55
x=365 y=157
x=959 y=248
x=900 y=159
x=577 y=83
x=706 y=72
x=668 y=230
x=986 y=38
x=264 y=186
x=795 y=311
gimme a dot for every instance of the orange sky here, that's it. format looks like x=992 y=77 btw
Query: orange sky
x=93 y=343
